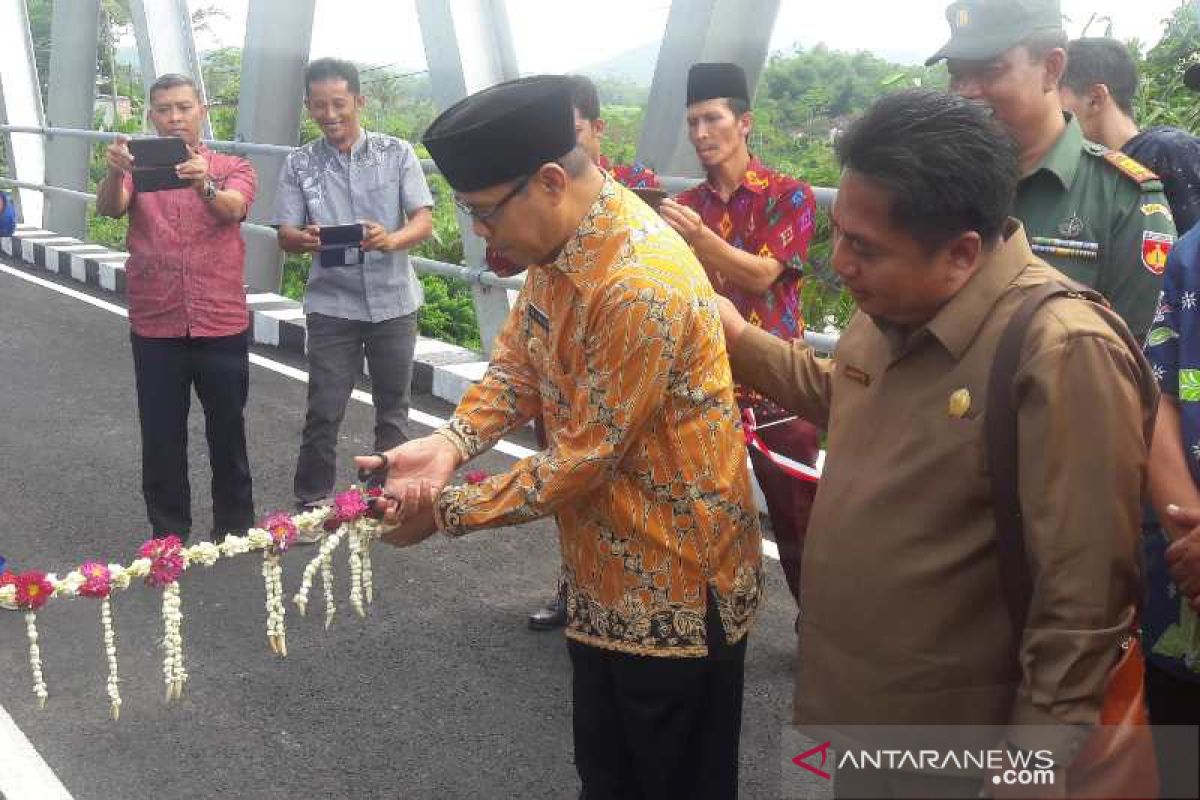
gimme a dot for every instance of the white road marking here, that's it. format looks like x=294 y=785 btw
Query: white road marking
x=23 y=773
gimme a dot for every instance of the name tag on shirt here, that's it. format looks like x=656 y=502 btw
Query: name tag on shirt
x=539 y=317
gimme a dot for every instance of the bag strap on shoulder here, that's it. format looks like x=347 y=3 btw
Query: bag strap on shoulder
x=1001 y=441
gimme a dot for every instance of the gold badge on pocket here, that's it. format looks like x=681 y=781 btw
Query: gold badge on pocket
x=960 y=403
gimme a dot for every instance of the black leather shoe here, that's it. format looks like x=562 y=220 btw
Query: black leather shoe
x=552 y=616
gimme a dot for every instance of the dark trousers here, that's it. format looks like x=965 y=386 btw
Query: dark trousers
x=789 y=500
x=166 y=370
x=336 y=348
x=1171 y=700
x=648 y=728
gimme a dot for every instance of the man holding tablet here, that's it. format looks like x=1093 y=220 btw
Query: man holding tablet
x=360 y=200
x=187 y=305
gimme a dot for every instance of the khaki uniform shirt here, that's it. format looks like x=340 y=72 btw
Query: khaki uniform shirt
x=1102 y=219
x=904 y=613
x=618 y=345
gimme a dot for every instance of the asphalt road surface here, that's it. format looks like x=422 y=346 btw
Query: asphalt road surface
x=442 y=692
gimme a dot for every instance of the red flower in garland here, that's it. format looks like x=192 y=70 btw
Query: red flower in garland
x=33 y=589
x=166 y=560
x=349 y=505
x=476 y=476
x=97 y=580
x=7 y=578
x=282 y=529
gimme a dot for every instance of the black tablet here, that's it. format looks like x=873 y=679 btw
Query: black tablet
x=154 y=162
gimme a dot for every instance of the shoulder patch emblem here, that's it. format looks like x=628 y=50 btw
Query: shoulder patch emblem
x=1129 y=168
x=1155 y=249
x=1157 y=208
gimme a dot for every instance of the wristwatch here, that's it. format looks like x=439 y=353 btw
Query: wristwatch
x=210 y=189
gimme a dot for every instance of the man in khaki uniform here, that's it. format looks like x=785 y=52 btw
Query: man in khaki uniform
x=1095 y=214
x=904 y=617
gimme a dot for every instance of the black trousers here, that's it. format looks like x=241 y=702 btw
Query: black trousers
x=336 y=348
x=166 y=370
x=648 y=728
x=1171 y=700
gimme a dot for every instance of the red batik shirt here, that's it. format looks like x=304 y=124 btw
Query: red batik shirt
x=772 y=215
x=633 y=176
x=186 y=270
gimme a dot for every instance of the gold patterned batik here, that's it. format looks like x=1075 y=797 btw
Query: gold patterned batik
x=618 y=344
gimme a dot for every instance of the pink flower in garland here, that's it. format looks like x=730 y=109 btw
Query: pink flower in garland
x=476 y=476
x=33 y=589
x=97 y=580
x=166 y=560
x=282 y=529
x=349 y=506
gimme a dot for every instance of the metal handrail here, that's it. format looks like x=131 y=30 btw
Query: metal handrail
x=220 y=145
x=824 y=342
x=421 y=264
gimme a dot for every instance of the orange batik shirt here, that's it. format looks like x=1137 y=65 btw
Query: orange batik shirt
x=618 y=344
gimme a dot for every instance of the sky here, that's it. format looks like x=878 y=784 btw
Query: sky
x=565 y=35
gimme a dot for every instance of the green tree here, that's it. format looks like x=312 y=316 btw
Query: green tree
x=1162 y=98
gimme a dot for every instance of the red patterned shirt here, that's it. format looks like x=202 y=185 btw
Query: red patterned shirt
x=634 y=176
x=186 y=270
x=772 y=215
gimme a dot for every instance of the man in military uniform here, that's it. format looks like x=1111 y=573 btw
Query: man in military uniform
x=1089 y=211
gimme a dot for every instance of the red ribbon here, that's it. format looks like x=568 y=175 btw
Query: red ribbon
x=794 y=468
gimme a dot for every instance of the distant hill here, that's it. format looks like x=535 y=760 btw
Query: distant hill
x=635 y=66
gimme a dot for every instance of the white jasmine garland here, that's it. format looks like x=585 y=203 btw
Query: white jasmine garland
x=110 y=652
x=204 y=553
x=327 y=583
x=68 y=586
x=173 y=672
x=327 y=546
x=8 y=597
x=355 y=541
x=368 y=530
x=273 y=579
x=35 y=659
x=234 y=546
x=118 y=576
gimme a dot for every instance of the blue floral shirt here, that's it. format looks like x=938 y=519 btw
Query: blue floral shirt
x=1169 y=629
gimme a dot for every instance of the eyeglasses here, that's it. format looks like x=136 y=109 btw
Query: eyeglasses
x=485 y=217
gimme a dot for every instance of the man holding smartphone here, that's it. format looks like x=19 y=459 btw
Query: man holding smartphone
x=366 y=306
x=185 y=282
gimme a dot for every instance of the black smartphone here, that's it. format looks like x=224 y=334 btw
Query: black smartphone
x=154 y=162
x=341 y=245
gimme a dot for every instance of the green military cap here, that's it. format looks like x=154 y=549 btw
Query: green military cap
x=983 y=29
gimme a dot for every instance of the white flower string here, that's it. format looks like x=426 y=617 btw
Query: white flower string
x=161 y=563
x=35 y=658
x=369 y=532
x=173 y=671
x=327 y=579
x=354 y=540
x=110 y=654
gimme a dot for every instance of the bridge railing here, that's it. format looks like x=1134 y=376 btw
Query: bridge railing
x=473 y=275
